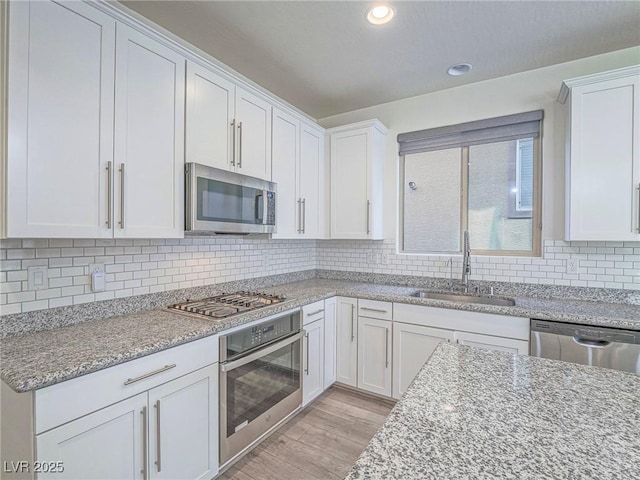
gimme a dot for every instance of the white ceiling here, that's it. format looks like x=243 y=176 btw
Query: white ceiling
x=324 y=58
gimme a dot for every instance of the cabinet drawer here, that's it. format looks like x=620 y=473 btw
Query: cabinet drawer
x=375 y=309
x=74 y=398
x=312 y=312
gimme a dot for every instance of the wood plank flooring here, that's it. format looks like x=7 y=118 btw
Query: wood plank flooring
x=320 y=443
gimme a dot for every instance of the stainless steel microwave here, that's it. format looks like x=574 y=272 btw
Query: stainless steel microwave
x=218 y=201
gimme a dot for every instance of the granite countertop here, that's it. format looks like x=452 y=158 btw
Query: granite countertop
x=36 y=360
x=472 y=413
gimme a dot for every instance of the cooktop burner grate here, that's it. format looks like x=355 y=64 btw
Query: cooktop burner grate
x=227 y=304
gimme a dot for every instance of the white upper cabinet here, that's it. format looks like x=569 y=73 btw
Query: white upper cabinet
x=357 y=163
x=285 y=144
x=298 y=171
x=253 y=135
x=210 y=113
x=311 y=180
x=603 y=156
x=60 y=120
x=149 y=138
x=227 y=127
x=96 y=127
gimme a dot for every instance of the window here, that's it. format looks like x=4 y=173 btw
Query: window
x=483 y=177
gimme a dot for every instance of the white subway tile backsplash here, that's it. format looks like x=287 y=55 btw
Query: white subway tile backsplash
x=136 y=267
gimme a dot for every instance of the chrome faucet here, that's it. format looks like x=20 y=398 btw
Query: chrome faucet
x=466 y=262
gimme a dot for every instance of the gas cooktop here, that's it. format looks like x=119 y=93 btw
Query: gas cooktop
x=227 y=304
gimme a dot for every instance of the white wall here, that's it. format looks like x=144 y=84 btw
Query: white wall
x=522 y=92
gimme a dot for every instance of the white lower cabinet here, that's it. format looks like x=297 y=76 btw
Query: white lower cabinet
x=412 y=347
x=346 y=341
x=374 y=355
x=166 y=433
x=490 y=342
x=330 y=336
x=183 y=427
x=313 y=361
x=107 y=444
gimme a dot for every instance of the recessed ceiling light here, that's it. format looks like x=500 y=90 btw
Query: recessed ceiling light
x=459 y=69
x=380 y=14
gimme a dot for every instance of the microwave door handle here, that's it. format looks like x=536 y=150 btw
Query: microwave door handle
x=259 y=211
x=265 y=207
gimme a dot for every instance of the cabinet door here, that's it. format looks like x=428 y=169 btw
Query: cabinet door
x=285 y=157
x=60 y=119
x=313 y=351
x=106 y=444
x=253 y=123
x=347 y=341
x=349 y=179
x=210 y=113
x=149 y=138
x=489 y=342
x=374 y=355
x=412 y=347
x=604 y=168
x=183 y=429
x=330 y=335
x=311 y=180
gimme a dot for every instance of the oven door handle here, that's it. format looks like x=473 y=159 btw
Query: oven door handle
x=228 y=366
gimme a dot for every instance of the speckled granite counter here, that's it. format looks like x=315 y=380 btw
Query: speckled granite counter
x=471 y=413
x=36 y=360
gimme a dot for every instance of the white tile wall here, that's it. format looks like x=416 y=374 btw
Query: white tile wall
x=135 y=267
x=600 y=264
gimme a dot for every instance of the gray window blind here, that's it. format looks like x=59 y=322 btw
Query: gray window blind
x=509 y=127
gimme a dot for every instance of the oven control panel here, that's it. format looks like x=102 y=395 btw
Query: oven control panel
x=249 y=338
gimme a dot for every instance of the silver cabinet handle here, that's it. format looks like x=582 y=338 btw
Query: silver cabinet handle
x=299 y=215
x=158 y=446
x=386 y=347
x=233 y=142
x=368 y=216
x=353 y=316
x=240 y=145
x=144 y=442
x=638 y=208
x=304 y=215
x=150 y=374
x=122 y=195
x=373 y=309
x=306 y=370
x=315 y=313
x=109 y=198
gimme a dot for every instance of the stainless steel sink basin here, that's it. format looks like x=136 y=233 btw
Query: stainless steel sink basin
x=466 y=298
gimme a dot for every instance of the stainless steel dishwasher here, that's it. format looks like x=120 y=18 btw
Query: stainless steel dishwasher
x=601 y=347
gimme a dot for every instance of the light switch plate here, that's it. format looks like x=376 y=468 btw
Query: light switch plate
x=38 y=278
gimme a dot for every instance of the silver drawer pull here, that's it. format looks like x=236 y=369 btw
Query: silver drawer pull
x=150 y=374
x=315 y=313
x=373 y=309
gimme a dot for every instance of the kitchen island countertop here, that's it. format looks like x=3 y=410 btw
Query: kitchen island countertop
x=472 y=413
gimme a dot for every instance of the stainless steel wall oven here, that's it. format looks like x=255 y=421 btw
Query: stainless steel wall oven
x=260 y=380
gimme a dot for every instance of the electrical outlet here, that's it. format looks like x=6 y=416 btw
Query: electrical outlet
x=96 y=267
x=572 y=266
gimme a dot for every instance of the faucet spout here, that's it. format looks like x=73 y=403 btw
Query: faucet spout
x=466 y=261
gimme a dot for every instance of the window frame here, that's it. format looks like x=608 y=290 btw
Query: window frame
x=536 y=211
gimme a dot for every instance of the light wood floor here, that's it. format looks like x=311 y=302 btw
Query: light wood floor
x=322 y=442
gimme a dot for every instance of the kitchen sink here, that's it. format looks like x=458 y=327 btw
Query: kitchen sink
x=466 y=298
